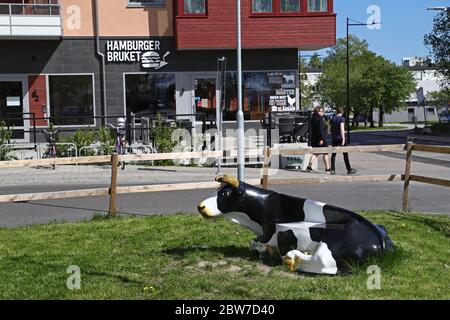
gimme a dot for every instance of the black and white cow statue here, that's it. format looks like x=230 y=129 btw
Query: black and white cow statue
x=309 y=236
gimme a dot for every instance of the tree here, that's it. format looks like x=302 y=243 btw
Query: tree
x=375 y=83
x=315 y=62
x=439 y=99
x=438 y=41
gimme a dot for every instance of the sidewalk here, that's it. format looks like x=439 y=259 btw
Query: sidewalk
x=366 y=164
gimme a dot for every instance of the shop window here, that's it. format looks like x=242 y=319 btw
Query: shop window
x=262 y=6
x=148 y=94
x=146 y=3
x=194 y=7
x=289 y=6
x=71 y=99
x=262 y=92
x=317 y=5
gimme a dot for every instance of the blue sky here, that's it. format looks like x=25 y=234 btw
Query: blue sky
x=404 y=24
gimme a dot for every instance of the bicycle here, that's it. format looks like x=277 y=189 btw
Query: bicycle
x=51 y=138
x=119 y=140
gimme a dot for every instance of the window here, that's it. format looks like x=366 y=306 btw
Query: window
x=146 y=3
x=194 y=6
x=71 y=99
x=262 y=6
x=317 y=5
x=430 y=111
x=262 y=92
x=287 y=6
x=150 y=93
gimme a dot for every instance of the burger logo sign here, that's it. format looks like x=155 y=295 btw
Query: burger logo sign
x=145 y=52
x=152 y=60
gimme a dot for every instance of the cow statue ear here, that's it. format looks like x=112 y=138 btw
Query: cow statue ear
x=232 y=181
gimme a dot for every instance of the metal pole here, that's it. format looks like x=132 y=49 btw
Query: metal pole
x=348 y=88
x=240 y=113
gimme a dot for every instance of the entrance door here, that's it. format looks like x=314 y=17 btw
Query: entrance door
x=205 y=96
x=13 y=108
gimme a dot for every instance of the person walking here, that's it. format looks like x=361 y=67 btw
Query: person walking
x=318 y=138
x=337 y=129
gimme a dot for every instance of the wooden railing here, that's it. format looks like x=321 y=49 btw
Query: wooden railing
x=113 y=190
x=409 y=177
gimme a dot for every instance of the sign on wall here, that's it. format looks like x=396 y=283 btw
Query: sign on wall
x=284 y=100
x=148 y=53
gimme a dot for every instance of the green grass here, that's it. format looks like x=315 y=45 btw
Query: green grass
x=188 y=257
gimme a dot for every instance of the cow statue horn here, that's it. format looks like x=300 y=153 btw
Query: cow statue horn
x=233 y=181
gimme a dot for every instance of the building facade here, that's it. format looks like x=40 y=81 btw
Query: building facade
x=75 y=63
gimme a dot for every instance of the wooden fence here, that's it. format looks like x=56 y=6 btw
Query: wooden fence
x=265 y=180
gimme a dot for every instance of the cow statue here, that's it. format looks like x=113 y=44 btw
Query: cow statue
x=309 y=236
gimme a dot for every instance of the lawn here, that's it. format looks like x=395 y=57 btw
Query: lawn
x=188 y=257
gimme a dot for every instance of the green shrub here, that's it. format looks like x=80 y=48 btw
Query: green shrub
x=106 y=139
x=163 y=139
x=81 y=138
x=5 y=136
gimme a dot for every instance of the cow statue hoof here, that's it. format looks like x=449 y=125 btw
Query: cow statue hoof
x=308 y=236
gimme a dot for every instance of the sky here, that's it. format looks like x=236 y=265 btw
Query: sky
x=404 y=24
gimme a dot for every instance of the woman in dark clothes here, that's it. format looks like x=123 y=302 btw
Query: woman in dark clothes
x=318 y=136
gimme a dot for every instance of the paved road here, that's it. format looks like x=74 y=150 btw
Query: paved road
x=360 y=196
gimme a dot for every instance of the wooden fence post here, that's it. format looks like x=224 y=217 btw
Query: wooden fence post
x=113 y=187
x=409 y=150
x=265 y=178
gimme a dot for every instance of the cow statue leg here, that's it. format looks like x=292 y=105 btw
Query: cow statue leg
x=321 y=261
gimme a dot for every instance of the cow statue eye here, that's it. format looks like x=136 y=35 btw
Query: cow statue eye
x=227 y=193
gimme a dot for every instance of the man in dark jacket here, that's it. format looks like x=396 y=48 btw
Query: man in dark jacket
x=318 y=138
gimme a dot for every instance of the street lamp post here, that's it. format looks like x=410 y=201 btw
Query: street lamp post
x=354 y=23
x=240 y=113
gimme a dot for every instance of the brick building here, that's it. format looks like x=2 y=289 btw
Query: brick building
x=75 y=60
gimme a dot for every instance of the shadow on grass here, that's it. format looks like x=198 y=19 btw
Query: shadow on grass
x=227 y=251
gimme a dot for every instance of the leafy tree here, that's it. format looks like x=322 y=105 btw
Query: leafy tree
x=375 y=83
x=438 y=41
x=439 y=99
x=315 y=62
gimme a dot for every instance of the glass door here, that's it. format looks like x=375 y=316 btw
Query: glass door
x=205 y=96
x=13 y=109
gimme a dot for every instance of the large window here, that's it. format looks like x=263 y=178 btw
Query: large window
x=71 y=99
x=317 y=5
x=288 y=6
x=194 y=6
x=262 y=92
x=150 y=93
x=146 y=3
x=262 y=6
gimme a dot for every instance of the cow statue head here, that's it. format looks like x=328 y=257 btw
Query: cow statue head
x=236 y=201
x=308 y=235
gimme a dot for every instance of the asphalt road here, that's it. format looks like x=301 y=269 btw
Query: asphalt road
x=361 y=196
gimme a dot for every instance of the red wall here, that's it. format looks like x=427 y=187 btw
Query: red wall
x=37 y=93
x=217 y=30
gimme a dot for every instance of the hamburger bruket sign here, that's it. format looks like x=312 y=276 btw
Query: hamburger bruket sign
x=146 y=52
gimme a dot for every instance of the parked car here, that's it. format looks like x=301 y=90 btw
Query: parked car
x=444 y=116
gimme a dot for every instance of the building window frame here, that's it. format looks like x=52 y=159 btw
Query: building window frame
x=49 y=106
x=303 y=10
x=182 y=13
x=124 y=85
x=145 y=4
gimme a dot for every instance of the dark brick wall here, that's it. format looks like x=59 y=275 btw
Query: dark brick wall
x=78 y=56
